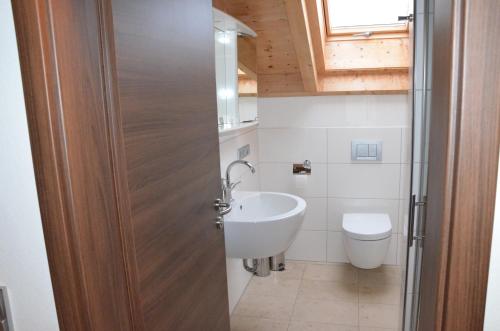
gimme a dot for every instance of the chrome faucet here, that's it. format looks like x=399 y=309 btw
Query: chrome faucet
x=227 y=185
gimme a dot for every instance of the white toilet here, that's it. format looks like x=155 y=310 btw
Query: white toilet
x=366 y=238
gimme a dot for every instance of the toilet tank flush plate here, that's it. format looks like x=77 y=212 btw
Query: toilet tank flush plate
x=366 y=150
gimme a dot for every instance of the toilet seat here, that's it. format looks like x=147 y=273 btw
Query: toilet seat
x=367 y=226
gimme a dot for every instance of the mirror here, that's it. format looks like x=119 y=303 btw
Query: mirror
x=235 y=71
x=247 y=79
x=226 y=79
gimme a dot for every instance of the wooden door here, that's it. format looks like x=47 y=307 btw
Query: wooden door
x=166 y=91
x=121 y=102
x=463 y=162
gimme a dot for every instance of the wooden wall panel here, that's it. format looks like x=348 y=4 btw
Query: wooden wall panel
x=318 y=32
x=367 y=54
x=280 y=53
x=280 y=84
x=301 y=37
x=276 y=56
x=366 y=82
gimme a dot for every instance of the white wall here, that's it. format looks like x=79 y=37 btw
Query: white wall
x=492 y=318
x=23 y=260
x=247 y=107
x=237 y=277
x=320 y=129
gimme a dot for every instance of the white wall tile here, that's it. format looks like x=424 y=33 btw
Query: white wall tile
x=249 y=181
x=295 y=128
x=405 y=180
x=247 y=107
x=237 y=280
x=338 y=207
x=333 y=111
x=378 y=181
x=335 y=247
x=309 y=245
x=279 y=177
x=229 y=152
x=406 y=142
x=404 y=207
x=339 y=143
x=315 y=218
x=292 y=145
x=237 y=277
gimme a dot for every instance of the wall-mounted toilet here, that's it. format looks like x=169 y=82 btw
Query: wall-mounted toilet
x=366 y=238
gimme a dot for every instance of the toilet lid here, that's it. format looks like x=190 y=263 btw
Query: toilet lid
x=367 y=226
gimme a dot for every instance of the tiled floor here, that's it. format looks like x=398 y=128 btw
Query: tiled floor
x=321 y=297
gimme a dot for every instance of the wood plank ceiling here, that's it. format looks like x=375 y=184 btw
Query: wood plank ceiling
x=294 y=56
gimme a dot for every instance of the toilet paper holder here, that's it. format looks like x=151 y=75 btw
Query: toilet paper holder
x=303 y=168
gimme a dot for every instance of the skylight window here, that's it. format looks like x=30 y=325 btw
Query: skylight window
x=363 y=14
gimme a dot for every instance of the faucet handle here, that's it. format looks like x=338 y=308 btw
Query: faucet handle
x=233 y=185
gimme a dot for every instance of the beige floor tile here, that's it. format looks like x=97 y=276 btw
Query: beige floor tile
x=278 y=308
x=341 y=272
x=377 y=315
x=331 y=291
x=383 y=275
x=375 y=329
x=335 y=312
x=243 y=323
x=293 y=270
x=314 y=326
x=386 y=294
x=273 y=286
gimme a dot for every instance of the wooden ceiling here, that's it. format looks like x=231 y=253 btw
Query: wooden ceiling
x=295 y=57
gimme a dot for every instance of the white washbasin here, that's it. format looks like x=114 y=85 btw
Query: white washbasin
x=262 y=224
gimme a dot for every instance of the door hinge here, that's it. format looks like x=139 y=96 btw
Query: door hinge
x=411 y=219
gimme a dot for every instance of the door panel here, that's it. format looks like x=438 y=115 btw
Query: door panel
x=60 y=49
x=463 y=163
x=166 y=88
x=122 y=114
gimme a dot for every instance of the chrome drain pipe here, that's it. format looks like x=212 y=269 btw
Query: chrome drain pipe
x=260 y=267
x=251 y=269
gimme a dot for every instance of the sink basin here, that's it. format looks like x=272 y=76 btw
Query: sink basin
x=262 y=224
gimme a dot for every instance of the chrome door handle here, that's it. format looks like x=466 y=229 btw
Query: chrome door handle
x=222 y=208
x=219 y=222
x=219 y=205
x=225 y=211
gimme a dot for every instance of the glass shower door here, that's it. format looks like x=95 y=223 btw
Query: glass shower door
x=420 y=157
